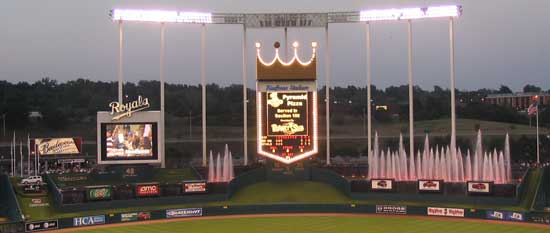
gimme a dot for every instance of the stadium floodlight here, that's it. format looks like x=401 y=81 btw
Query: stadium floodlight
x=410 y=13
x=160 y=16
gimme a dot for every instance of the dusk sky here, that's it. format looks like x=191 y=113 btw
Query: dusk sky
x=498 y=42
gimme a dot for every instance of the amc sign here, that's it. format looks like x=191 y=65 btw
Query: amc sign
x=147 y=190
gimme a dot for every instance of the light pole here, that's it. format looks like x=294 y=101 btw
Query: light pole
x=203 y=82
x=245 y=101
x=327 y=93
x=369 y=83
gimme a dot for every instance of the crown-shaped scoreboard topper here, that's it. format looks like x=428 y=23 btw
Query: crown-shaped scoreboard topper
x=293 y=70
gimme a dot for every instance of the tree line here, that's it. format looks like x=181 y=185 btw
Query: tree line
x=79 y=100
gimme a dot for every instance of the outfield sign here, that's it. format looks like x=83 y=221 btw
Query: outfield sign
x=38 y=202
x=180 y=213
x=135 y=216
x=57 y=146
x=147 y=190
x=430 y=185
x=99 y=193
x=194 y=187
x=505 y=215
x=448 y=212
x=391 y=209
x=479 y=187
x=378 y=184
x=89 y=220
x=41 y=225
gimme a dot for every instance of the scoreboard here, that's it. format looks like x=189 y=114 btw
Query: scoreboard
x=287 y=123
x=286 y=105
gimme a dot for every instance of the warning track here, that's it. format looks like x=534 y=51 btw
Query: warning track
x=534 y=225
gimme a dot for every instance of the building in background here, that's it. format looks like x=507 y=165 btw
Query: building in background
x=519 y=101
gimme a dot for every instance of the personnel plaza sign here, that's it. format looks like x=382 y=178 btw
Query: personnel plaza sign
x=120 y=110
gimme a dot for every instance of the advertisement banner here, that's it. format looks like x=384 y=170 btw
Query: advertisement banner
x=129 y=217
x=391 y=209
x=99 y=193
x=381 y=184
x=195 y=187
x=147 y=190
x=449 y=212
x=429 y=185
x=135 y=216
x=479 y=187
x=515 y=216
x=180 y=213
x=41 y=226
x=505 y=215
x=57 y=146
x=498 y=215
x=89 y=220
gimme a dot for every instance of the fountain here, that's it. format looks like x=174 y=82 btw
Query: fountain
x=222 y=169
x=441 y=163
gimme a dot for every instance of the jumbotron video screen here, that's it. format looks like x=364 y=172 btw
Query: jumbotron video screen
x=287 y=123
x=129 y=141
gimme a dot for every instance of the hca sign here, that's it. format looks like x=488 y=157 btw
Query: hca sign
x=89 y=220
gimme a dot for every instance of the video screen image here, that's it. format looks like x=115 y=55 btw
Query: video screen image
x=129 y=141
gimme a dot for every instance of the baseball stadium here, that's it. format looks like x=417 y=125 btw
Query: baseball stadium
x=281 y=170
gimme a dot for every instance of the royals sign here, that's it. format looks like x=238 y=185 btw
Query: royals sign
x=120 y=110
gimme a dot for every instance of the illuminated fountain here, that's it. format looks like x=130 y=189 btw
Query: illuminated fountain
x=441 y=163
x=222 y=170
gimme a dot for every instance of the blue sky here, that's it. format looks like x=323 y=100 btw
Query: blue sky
x=497 y=42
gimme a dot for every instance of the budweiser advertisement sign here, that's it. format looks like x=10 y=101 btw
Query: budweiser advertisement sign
x=57 y=146
x=121 y=110
x=377 y=184
x=195 y=187
x=147 y=190
x=448 y=212
x=430 y=185
x=479 y=187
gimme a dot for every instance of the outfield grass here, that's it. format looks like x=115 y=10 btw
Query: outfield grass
x=319 y=224
x=289 y=192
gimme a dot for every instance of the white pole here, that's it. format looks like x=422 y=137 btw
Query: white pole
x=327 y=93
x=11 y=158
x=369 y=82
x=453 y=105
x=411 y=86
x=120 y=37
x=538 y=143
x=286 y=43
x=245 y=101
x=203 y=82
x=28 y=155
x=161 y=77
x=21 y=156
x=38 y=160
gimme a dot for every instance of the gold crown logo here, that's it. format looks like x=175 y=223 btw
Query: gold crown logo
x=294 y=70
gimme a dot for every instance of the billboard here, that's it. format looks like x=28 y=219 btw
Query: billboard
x=391 y=209
x=430 y=185
x=180 y=213
x=41 y=225
x=194 y=187
x=147 y=190
x=381 y=184
x=135 y=216
x=479 y=187
x=56 y=146
x=99 y=193
x=89 y=220
x=287 y=124
x=505 y=215
x=448 y=212
x=129 y=141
